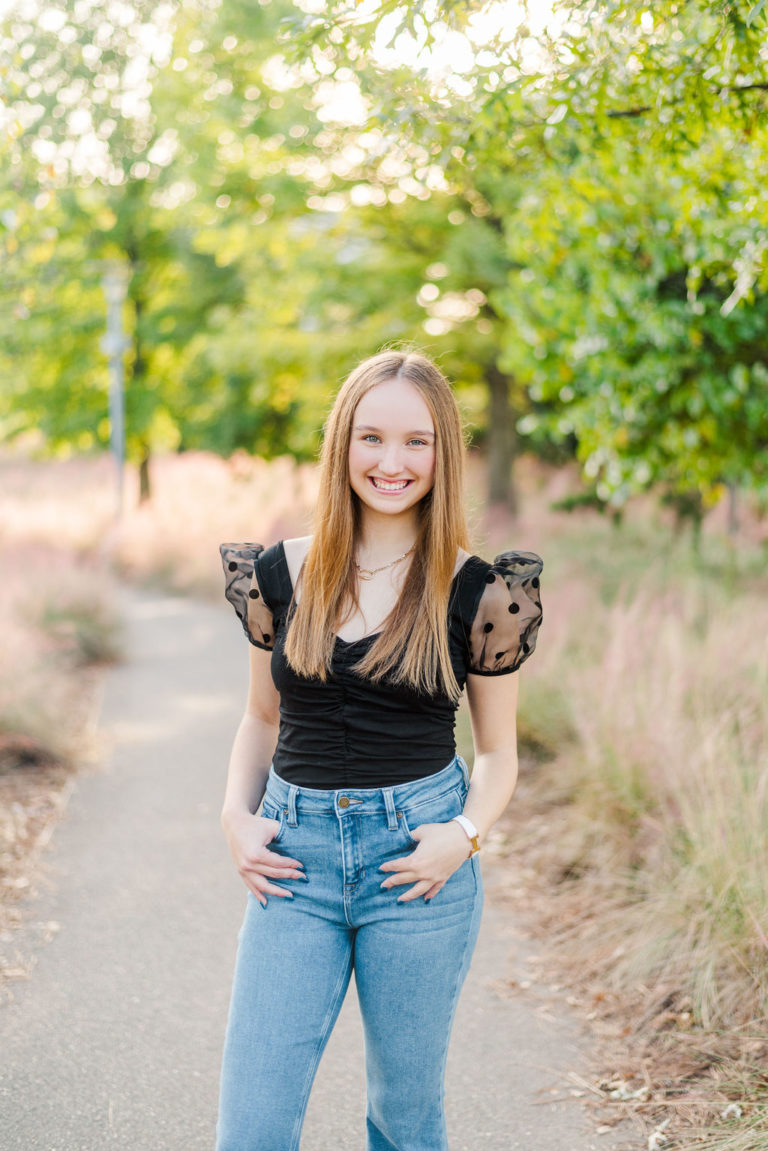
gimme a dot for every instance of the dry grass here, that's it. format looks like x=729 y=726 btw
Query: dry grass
x=68 y=504
x=59 y=622
x=639 y=844
x=58 y=615
x=687 y=1085
x=59 y=625
x=668 y=773
x=200 y=501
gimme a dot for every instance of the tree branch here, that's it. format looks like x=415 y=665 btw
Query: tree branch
x=627 y=113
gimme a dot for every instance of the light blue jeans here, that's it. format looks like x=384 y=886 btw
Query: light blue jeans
x=295 y=958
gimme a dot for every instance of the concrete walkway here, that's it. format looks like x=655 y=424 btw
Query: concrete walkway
x=115 y=1039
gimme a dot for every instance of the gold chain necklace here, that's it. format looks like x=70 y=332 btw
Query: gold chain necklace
x=369 y=573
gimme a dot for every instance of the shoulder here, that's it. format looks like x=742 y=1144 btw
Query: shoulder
x=461 y=560
x=295 y=552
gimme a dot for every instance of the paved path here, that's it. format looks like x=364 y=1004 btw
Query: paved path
x=115 y=1040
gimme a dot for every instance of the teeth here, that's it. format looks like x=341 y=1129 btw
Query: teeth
x=389 y=485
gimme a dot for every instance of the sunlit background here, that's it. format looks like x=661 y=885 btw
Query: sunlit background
x=210 y=211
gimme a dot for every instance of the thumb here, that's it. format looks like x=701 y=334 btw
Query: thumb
x=416 y=834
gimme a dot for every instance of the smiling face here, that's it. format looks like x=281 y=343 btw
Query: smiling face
x=392 y=448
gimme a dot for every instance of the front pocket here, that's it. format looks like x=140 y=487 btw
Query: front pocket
x=441 y=809
x=270 y=810
x=402 y=823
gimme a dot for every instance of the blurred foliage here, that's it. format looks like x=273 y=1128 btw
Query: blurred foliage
x=572 y=218
x=154 y=144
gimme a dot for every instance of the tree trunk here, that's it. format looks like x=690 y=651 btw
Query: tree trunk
x=502 y=440
x=139 y=372
x=145 y=486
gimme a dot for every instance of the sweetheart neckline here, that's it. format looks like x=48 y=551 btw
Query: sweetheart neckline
x=352 y=642
x=373 y=634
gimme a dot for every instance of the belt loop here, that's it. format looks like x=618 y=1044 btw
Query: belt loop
x=464 y=769
x=293 y=791
x=389 y=803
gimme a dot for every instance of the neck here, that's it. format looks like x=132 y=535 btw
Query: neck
x=384 y=537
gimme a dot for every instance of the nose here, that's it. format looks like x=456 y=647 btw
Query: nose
x=391 y=460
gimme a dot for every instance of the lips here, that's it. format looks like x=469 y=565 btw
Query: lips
x=389 y=485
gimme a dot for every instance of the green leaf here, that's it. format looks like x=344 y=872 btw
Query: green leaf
x=754 y=12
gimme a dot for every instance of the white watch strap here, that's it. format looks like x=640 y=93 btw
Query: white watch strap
x=467 y=824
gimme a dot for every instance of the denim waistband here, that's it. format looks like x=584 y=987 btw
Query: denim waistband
x=369 y=799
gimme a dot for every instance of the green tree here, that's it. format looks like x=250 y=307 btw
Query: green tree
x=622 y=164
x=164 y=143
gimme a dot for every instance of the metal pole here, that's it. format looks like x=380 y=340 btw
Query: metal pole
x=114 y=344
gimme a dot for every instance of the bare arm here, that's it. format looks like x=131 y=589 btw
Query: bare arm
x=255 y=740
x=247 y=833
x=493 y=712
x=443 y=847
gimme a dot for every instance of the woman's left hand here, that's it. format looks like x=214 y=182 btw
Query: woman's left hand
x=442 y=848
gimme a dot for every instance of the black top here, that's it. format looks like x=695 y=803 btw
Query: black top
x=351 y=732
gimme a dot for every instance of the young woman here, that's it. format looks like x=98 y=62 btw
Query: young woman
x=364 y=855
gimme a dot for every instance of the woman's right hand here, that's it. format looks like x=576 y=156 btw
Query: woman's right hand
x=247 y=836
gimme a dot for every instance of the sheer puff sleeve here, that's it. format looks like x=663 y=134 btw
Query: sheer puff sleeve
x=506 y=623
x=242 y=589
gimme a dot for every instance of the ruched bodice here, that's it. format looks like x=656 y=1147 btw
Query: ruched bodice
x=350 y=731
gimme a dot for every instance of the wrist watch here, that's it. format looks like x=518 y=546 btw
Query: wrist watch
x=470 y=831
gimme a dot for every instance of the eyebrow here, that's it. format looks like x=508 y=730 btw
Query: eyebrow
x=369 y=428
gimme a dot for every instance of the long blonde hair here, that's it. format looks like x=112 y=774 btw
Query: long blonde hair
x=412 y=648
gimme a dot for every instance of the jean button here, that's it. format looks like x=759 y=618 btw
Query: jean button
x=344 y=801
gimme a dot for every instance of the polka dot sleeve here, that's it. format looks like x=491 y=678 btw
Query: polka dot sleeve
x=244 y=592
x=506 y=623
